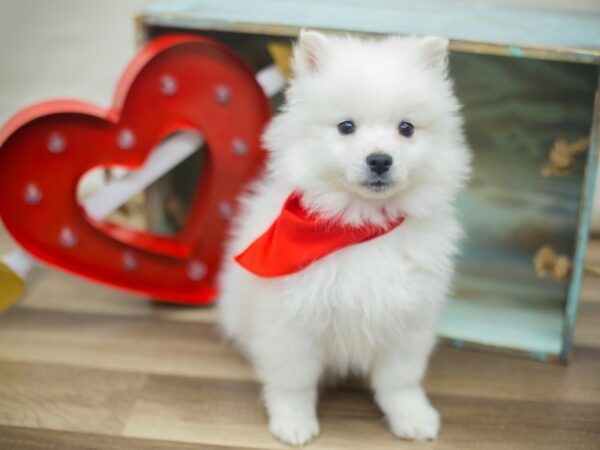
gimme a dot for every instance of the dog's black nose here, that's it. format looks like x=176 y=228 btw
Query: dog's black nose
x=379 y=162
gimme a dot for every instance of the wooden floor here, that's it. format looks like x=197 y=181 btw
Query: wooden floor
x=84 y=367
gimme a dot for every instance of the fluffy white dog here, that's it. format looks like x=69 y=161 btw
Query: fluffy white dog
x=370 y=132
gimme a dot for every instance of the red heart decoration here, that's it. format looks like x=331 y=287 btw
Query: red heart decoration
x=171 y=85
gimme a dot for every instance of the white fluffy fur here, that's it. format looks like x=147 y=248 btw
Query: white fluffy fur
x=369 y=309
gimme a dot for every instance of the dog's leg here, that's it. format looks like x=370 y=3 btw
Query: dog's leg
x=292 y=412
x=396 y=380
x=290 y=368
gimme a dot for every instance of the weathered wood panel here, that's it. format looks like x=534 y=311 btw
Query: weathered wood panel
x=514 y=110
x=491 y=26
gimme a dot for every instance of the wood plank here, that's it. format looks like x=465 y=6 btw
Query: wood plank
x=514 y=110
x=590 y=288
x=587 y=331
x=475 y=374
x=593 y=253
x=22 y=438
x=229 y=413
x=47 y=396
x=50 y=289
x=492 y=22
x=195 y=350
x=122 y=343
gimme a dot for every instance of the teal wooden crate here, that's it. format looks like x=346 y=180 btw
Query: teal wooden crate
x=527 y=77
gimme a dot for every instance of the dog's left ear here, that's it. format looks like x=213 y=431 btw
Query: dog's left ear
x=435 y=50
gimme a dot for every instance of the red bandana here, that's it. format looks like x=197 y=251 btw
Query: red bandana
x=297 y=238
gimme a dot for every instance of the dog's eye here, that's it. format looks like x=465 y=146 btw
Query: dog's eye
x=346 y=127
x=406 y=129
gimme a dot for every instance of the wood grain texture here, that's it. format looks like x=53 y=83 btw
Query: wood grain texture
x=529 y=30
x=119 y=343
x=48 y=396
x=228 y=413
x=86 y=368
x=42 y=439
x=348 y=408
x=514 y=110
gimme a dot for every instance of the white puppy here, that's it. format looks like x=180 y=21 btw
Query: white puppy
x=370 y=131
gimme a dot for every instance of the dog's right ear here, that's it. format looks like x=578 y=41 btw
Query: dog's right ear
x=309 y=52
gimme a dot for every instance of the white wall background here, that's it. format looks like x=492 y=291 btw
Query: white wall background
x=63 y=48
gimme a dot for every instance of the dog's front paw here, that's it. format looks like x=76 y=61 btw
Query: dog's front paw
x=420 y=423
x=294 y=431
